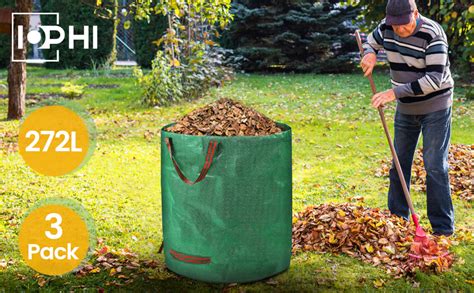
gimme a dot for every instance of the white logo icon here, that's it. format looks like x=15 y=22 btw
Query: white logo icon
x=35 y=37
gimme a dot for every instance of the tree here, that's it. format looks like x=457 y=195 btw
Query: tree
x=79 y=14
x=190 y=23
x=145 y=33
x=292 y=35
x=17 y=70
x=187 y=66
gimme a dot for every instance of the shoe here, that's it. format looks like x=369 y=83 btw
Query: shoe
x=443 y=234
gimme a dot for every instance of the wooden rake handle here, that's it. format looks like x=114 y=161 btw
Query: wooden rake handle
x=389 y=139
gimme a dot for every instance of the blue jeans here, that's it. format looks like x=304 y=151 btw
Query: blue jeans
x=436 y=129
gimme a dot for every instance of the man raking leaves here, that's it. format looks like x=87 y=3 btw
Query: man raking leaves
x=417 y=52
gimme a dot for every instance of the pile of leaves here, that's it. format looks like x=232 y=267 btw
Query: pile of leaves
x=225 y=117
x=372 y=235
x=461 y=173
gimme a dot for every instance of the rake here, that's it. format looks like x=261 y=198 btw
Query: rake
x=420 y=235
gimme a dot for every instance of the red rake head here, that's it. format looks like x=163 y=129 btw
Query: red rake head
x=420 y=235
x=425 y=252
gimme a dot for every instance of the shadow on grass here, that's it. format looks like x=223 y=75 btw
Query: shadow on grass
x=308 y=272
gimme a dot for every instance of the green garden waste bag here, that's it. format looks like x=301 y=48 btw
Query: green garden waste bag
x=226 y=205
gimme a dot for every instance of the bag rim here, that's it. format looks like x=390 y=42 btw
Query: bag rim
x=284 y=127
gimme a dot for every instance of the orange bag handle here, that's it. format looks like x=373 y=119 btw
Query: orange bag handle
x=190 y=258
x=211 y=149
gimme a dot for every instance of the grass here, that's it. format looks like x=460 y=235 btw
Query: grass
x=337 y=145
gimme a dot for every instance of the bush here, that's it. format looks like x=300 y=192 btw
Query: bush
x=144 y=35
x=187 y=65
x=77 y=14
x=204 y=70
x=5 y=51
x=470 y=93
x=166 y=84
x=72 y=91
x=162 y=85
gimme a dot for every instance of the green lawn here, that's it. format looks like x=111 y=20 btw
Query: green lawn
x=337 y=145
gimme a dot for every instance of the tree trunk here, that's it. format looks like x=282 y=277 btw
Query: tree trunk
x=113 y=54
x=17 y=70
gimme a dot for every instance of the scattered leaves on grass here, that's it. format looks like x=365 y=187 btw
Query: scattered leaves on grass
x=21 y=277
x=148 y=135
x=461 y=172
x=35 y=98
x=225 y=117
x=121 y=264
x=463 y=235
x=379 y=283
x=125 y=121
x=372 y=235
x=40 y=280
x=9 y=142
x=272 y=282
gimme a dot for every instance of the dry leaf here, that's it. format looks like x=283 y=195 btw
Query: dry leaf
x=271 y=282
x=41 y=281
x=379 y=283
x=94 y=271
x=103 y=250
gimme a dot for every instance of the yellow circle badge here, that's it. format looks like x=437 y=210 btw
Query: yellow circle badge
x=54 y=140
x=55 y=238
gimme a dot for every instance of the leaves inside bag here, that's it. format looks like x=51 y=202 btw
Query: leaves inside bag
x=225 y=117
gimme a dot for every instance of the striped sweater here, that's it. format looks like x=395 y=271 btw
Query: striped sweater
x=419 y=66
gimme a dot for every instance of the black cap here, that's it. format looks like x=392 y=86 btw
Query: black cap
x=399 y=12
